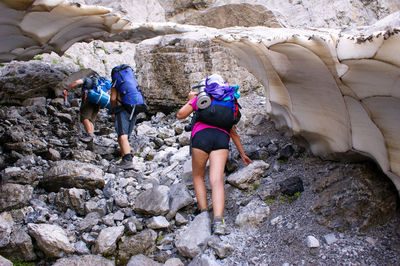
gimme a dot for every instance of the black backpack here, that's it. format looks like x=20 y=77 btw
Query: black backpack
x=222 y=114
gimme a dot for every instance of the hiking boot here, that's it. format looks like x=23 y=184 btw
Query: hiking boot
x=126 y=162
x=90 y=145
x=219 y=226
x=86 y=137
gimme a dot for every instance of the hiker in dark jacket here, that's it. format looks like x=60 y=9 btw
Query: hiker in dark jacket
x=211 y=143
x=88 y=110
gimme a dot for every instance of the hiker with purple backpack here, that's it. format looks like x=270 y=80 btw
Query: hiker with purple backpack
x=211 y=133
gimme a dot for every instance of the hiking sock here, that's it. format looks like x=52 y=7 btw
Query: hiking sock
x=218 y=219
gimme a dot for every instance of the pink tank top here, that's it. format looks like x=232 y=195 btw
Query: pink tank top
x=199 y=125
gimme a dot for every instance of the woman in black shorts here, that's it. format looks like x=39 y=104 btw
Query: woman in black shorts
x=210 y=143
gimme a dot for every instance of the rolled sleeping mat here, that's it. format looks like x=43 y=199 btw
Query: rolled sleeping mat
x=102 y=98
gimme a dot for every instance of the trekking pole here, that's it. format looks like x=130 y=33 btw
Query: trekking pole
x=65 y=97
x=133 y=111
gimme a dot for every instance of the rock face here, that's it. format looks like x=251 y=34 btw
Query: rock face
x=22 y=81
x=232 y=15
x=298 y=14
x=168 y=66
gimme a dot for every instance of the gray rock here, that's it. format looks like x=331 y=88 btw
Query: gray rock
x=53 y=155
x=86 y=224
x=81 y=248
x=221 y=248
x=180 y=198
x=203 y=259
x=165 y=133
x=108 y=219
x=158 y=222
x=19 y=176
x=6 y=224
x=87 y=260
x=5 y=262
x=142 y=260
x=119 y=215
x=245 y=177
x=14 y=196
x=130 y=226
x=35 y=101
x=73 y=198
x=193 y=240
x=180 y=219
x=51 y=239
x=174 y=262
x=121 y=200
x=70 y=174
x=96 y=206
x=253 y=214
x=330 y=238
x=154 y=201
x=20 y=247
x=312 y=242
x=106 y=242
x=141 y=243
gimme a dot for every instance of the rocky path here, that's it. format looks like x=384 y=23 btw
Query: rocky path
x=300 y=210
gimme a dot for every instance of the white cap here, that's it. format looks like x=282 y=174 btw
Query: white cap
x=215 y=78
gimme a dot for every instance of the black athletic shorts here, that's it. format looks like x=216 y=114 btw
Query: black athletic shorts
x=210 y=139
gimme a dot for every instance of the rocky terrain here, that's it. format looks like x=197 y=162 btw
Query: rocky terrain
x=287 y=208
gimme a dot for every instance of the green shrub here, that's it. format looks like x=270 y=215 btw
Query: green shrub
x=22 y=263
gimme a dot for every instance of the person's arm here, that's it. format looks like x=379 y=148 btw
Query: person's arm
x=113 y=97
x=74 y=84
x=187 y=109
x=238 y=143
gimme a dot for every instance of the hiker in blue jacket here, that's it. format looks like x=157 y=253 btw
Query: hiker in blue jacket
x=211 y=143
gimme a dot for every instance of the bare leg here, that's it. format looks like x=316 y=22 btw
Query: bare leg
x=88 y=125
x=217 y=166
x=199 y=161
x=124 y=144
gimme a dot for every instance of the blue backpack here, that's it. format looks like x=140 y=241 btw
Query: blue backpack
x=96 y=90
x=123 y=79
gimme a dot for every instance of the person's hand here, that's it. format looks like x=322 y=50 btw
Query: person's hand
x=246 y=159
x=192 y=94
